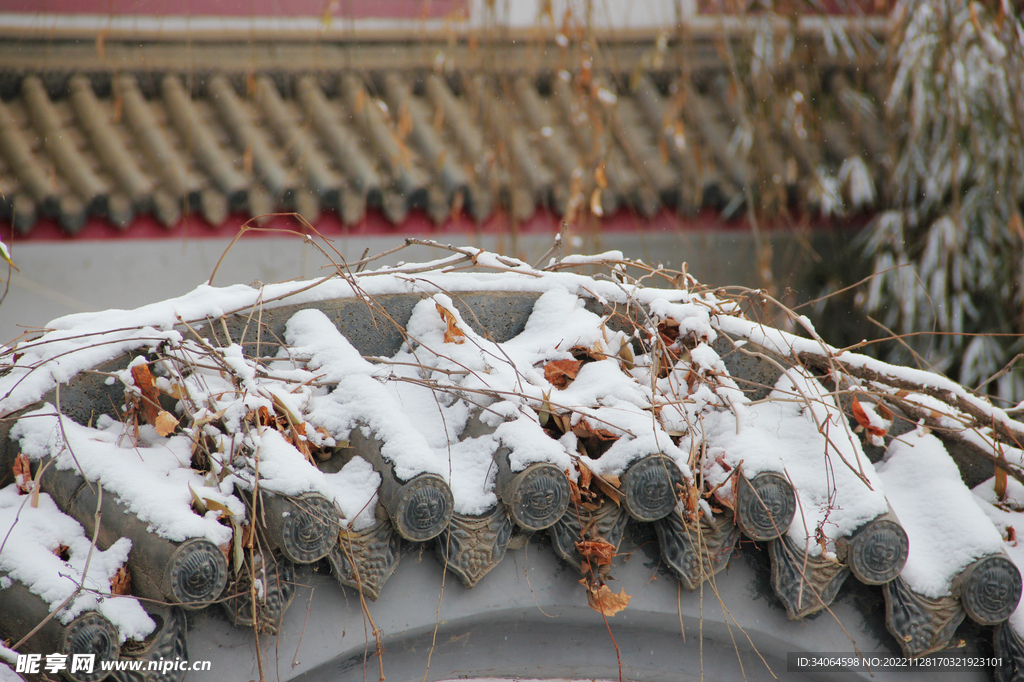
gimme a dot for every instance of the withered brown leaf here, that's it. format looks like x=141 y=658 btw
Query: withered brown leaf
x=586 y=475
x=301 y=443
x=214 y=505
x=574 y=491
x=1000 y=485
x=452 y=334
x=862 y=418
x=560 y=373
x=23 y=474
x=583 y=429
x=121 y=583
x=585 y=355
x=165 y=423
x=149 y=403
x=598 y=552
x=606 y=602
x=610 y=491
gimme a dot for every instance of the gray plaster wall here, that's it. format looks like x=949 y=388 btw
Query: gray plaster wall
x=60 y=278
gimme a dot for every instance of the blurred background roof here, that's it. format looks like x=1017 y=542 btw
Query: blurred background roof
x=132 y=120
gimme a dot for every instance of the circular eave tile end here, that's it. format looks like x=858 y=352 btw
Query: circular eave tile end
x=992 y=590
x=649 y=488
x=309 y=534
x=198 y=573
x=878 y=553
x=91 y=633
x=424 y=509
x=765 y=506
x=539 y=497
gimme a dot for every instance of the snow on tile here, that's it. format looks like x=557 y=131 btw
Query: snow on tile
x=32 y=536
x=358 y=399
x=418 y=402
x=1007 y=515
x=945 y=525
x=152 y=481
x=801 y=433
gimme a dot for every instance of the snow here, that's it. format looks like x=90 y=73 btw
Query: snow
x=801 y=433
x=945 y=525
x=7 y=674
x=83 y=340
x=789 y=345
x=358 y=398
x=32 y=535
x=576 y=259
x=354 y=491
x=318 y=387
x=152 y=481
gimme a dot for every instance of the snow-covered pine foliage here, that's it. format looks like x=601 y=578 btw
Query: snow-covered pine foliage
x=949 y=254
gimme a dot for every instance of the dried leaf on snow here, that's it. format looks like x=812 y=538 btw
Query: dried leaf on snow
x=1000 y=485
x=23 y=474
x=297 y=435
x=216 y=506
x=197 y=503
x=626 y=355
x=609 y=485
x=583 y=429
x=149 y=404
x=864 y=420
x=560 y=373
x=121 y=583
x=165 y=423
x=452 y=334
x=595 y=353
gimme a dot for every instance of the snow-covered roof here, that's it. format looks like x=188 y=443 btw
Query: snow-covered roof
x=471 y=397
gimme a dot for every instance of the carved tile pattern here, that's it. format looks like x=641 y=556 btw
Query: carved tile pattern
x=764 y=506
x=424 y=508
x=168 y=644
x=920 y=625
x=90 y=633
x=1010 y=647
x=278 y=590
x=650 y=487
x=540 y=498
x=608 y=523
x=805 y=584
x=878 y=552
x=992 y=590
x=199 y=573
x=375 y=552
x=473 y=545
x=695 y=554
x=310 y=529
